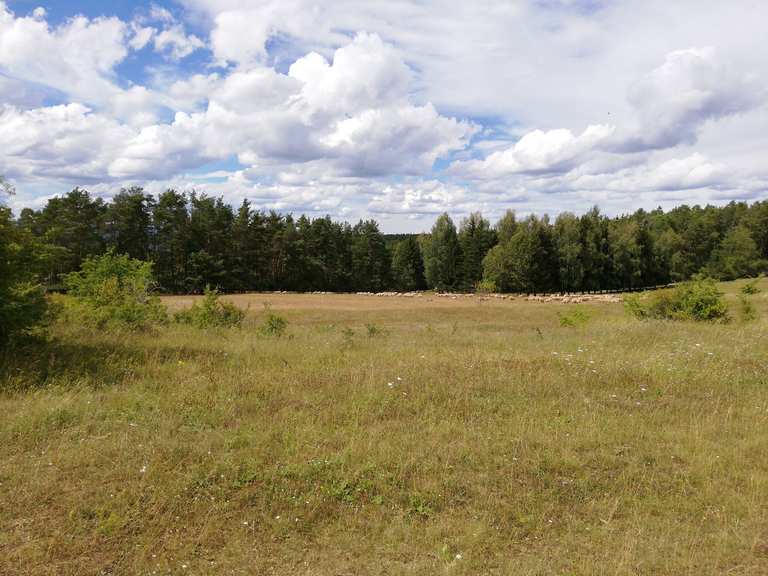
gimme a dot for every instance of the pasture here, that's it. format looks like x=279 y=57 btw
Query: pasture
x=391 y=435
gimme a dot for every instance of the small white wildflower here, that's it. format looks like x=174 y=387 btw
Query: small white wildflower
x=459 y=556
x=143 y=469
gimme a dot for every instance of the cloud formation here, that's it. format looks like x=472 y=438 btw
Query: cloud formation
x=400 y=109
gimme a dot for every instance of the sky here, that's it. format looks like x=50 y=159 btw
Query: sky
x=392 y=109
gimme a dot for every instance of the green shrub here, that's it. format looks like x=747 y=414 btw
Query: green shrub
x=114 y=290
x=211 y=312
x=486 y=287
x=573 y=318
x=700 y=300
x=347 y=338
x=23 y=307
x=373 y=330
x=22 y=302
x=634 y=306
x=748 y=311
x=751 y=287
x=274 y=325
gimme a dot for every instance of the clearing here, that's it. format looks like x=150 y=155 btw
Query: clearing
x=391 y=435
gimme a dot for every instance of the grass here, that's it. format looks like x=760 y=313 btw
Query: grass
x=456 y=437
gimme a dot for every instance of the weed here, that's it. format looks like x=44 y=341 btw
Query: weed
x=348 y=338
x=748 y=311
x=274 y=324
x=373 y=330
x=751 y=287
x=573 y=318
x=420 y=506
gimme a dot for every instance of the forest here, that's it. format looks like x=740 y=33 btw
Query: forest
x=194 y=240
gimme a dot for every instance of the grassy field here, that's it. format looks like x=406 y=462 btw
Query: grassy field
x=390 y=436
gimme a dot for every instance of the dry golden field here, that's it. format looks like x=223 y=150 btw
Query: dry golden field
x=391 y=436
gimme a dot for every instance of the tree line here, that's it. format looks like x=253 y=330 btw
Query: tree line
x=195 y=241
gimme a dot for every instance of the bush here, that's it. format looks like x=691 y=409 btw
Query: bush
x=373 y=330
x=22 y=302
x=211 y=312
x=700 y=299
x=486 y=287
x=22 y=308
x=573 y=318
x=748 y=311
x=115 y=291
x=751 y=287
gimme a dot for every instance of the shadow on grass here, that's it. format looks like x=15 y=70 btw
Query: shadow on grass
x=38 y=362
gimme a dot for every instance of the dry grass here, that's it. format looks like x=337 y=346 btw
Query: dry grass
x=460 y=437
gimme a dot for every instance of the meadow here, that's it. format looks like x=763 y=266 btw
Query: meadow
x=390 y=436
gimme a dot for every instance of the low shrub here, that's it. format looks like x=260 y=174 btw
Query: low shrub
x=751 y=287
x=114 y=291
x=699 y=299
x=211 y=312
x=748 y=311
x=373 y=330
x=22 y=308
x=274 y=325
x=573 y=318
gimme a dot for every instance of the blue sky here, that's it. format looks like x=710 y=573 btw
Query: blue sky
x=398 y=110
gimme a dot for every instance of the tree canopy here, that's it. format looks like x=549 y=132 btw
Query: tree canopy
x=194 y=240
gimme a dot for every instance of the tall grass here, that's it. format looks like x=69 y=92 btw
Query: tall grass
x=483 y=438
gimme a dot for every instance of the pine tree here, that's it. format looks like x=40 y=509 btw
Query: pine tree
x=408 y=266
x=442 y=255
x=476 y=238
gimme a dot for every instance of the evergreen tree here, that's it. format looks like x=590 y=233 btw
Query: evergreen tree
x=527 y=262
x=569 y=252
x=737 y=256
x=129 y=223
x=22 y=302
x=506 y=226
x=595 y=250
x=74 y=223
x=408 y=266
x=475 y=240
x=210 y=235
x=370 y=258
x=442 y=255
x=170 y=219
